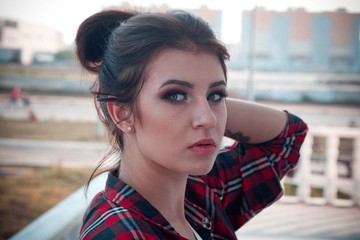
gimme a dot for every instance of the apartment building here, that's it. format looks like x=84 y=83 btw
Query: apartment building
x=25 y=42
x=297 y=40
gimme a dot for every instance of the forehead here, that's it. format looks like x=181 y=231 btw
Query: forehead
x=184 y=65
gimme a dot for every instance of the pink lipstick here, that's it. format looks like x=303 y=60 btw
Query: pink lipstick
x=204 y=146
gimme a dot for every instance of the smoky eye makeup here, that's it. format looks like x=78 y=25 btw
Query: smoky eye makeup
x=173 y=90
x=217 y=95
x=176 y=91
x=174 y=95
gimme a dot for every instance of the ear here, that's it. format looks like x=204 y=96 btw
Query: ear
x=119 y=114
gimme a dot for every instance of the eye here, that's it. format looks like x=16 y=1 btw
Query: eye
x=217 y=96
x=175 y=96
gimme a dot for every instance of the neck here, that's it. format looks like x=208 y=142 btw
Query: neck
x=162 y=188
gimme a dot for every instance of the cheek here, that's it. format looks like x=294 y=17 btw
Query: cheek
x=221 y=115
x=159 y=134
x=158 y=119
x=224 y=116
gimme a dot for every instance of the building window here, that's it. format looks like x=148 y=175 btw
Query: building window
x=11 y=24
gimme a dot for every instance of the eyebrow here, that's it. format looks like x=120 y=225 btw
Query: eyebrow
x=217 y=83
x=177 y=82
x=190 y=85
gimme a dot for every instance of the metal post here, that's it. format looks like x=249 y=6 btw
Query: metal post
x=99 y=131
x=250 y=84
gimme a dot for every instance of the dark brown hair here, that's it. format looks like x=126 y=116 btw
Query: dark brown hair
x=118 y=45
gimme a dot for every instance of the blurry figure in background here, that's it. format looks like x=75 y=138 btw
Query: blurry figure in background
x=26 y=99
x=19 y=98
x=20 y=101
x=15 y=95
x=161 y=93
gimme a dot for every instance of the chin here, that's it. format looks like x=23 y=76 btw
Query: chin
x=201 y=170
x=200 y=173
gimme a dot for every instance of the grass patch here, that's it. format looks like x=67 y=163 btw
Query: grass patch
x=49 y=130
x=27 y=192
x=342 y=195
x=316 y=192
x=290 y=189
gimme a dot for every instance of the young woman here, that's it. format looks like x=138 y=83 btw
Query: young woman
x=161 y=92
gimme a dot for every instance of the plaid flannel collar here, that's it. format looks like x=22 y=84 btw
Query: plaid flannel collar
x=122 y=194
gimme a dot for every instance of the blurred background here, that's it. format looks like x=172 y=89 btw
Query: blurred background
x=302 y=56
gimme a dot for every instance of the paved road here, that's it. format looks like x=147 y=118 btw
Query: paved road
x=50 y=153
x=58 y=108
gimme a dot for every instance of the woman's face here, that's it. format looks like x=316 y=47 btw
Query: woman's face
x=182 y=111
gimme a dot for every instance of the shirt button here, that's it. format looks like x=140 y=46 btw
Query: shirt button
x=206 y=223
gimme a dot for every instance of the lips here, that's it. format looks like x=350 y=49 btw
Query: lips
x=204 y=146
x=204 y=142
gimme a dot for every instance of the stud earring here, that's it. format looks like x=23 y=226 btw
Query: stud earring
x=129 y=128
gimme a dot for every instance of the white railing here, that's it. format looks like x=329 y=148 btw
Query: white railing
x=63 y=221
x=329 y=166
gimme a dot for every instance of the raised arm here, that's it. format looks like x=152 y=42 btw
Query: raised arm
x=249 y=122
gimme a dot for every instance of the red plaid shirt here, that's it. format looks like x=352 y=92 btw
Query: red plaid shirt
x=244 y=180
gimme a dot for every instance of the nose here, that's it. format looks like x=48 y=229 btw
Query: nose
x=204 y=116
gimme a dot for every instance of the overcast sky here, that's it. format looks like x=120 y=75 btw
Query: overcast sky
x=66 y=15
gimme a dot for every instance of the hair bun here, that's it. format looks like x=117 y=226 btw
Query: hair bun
x=93 y=34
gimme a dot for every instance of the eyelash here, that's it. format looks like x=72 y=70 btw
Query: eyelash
x=169 y=96
x=222 y=94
